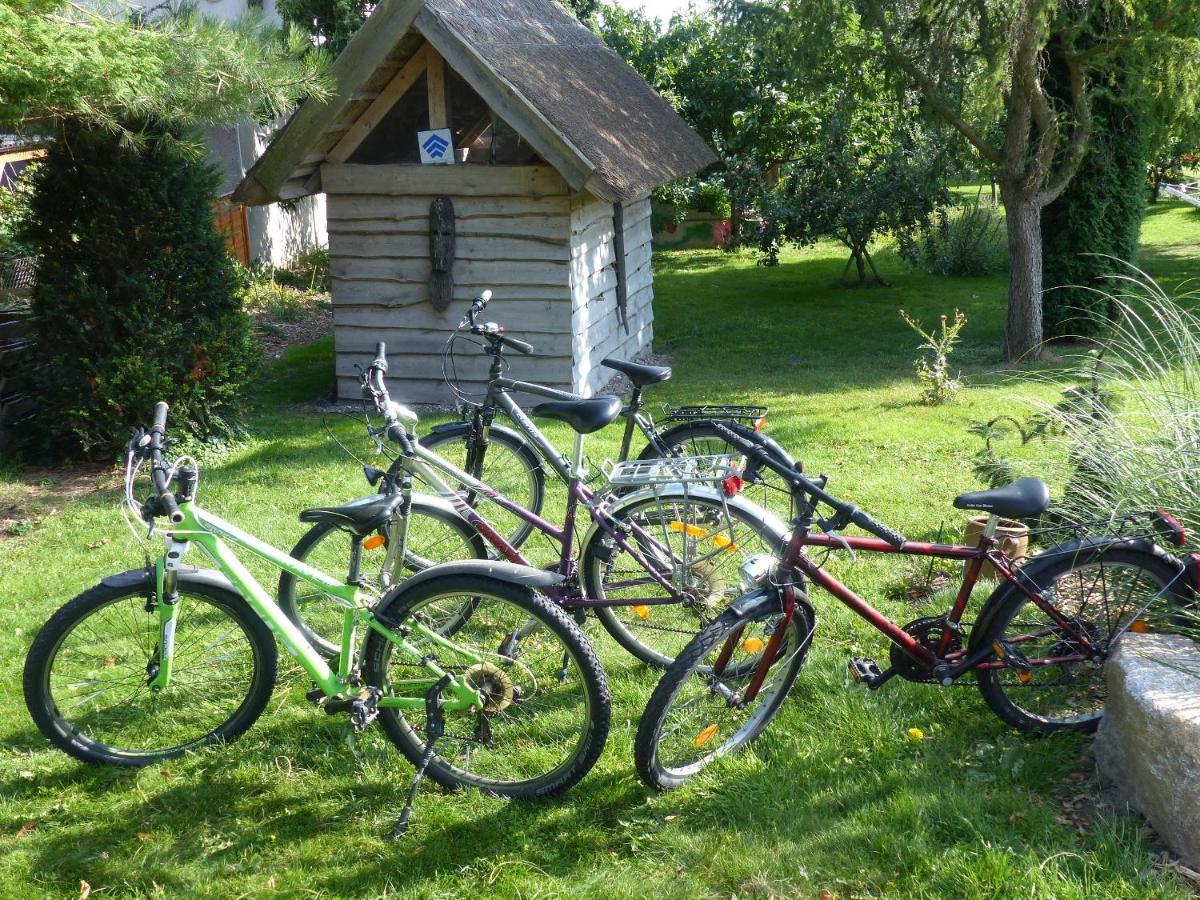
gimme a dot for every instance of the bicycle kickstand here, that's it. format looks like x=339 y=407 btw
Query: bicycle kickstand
x=435 y=727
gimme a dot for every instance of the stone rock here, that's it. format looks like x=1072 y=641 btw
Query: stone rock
x=1148 y=744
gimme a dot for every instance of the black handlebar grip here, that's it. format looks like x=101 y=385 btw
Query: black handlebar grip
x=160 y=417
x=865 y=522
x=400 y=436
x=519 y=346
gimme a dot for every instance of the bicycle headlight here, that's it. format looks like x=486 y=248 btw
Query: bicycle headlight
x=757 y=569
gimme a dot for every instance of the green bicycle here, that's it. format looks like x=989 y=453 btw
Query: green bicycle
x=475 y=677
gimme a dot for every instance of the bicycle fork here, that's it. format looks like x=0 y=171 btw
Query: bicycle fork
x=166 y=605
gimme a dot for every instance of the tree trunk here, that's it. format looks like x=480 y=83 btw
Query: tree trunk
x=1024 y=223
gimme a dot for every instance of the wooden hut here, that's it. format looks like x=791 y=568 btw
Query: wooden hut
x=546 y=146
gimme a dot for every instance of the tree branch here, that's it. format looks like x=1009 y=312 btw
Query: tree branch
x=1080 y=133
x=929 y=90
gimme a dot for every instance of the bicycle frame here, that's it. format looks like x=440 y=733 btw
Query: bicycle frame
x=427 y=466
x=956 y=662
x=216 y=538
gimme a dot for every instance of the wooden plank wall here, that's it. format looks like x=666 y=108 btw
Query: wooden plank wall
x=597 y=329
x=513 y=237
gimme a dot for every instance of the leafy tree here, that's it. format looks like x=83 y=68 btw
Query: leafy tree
x=865 y=172
x=136 y=299
x=973 y=61
x=62 y=64
x=331 y=22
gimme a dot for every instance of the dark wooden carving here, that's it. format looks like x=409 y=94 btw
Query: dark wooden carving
x=619 y=251
x=441 y=252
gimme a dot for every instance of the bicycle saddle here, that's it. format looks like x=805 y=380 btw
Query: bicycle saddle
x=637 y=373
x=585 y=416
x=1024 y=498
x=361 y=516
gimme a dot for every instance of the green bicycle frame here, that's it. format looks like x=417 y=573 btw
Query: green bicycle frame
x=214 y=536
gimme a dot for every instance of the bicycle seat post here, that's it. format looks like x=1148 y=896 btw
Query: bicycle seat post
x=353 y=574
x=577 y=460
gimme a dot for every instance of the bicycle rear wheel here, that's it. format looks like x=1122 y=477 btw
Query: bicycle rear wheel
x=546 y=713
x=435 y=535
x=87 y=674
x=700 y=438
x=1103 y=594
x=694 y=717
x=697 y=543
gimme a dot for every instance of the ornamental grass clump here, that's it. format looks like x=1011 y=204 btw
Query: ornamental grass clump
x=1142 y=452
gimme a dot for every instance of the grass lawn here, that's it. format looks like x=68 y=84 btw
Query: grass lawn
x=834 y=798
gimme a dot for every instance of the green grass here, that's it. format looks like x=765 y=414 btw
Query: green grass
x=835 y=796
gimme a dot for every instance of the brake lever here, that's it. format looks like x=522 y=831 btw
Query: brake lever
x=843 y=543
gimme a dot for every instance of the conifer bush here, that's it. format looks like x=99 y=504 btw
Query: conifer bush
x=136 y=299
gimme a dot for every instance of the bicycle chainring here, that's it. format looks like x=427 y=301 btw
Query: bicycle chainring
x=928 y=633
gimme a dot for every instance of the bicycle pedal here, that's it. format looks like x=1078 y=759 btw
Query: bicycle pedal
x=1011 y=656
x=365 y=710
x=315 y=696
x=867 y=671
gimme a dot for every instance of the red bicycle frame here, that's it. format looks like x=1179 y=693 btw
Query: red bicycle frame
x=956 y=662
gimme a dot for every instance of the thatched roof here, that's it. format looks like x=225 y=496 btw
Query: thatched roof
x=584 y=110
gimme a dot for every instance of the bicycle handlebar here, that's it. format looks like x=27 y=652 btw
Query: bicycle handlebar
x=847 y=512
x=159 y=473
x=394 y=431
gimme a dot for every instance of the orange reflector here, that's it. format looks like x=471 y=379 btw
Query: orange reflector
x=998 y=649
x=643 y=611
x=374 y=541
x=704 y=736
x=732 y=484
x=1025 y=677
x=723 y=542
x=752 y=645
x=760 y=423
x=1139 y=626
x=690 y=530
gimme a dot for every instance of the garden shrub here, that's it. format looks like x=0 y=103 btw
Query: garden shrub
x=965 y=240
x=712 y=197
x=136 y=299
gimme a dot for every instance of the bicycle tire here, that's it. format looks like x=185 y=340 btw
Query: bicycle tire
x=527 y=490
x=72 y=735
x=691 y=664
x=323 y=627
x=591 y=689
x=1003 y=689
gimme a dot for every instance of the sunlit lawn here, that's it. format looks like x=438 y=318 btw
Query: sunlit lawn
x=835 y=797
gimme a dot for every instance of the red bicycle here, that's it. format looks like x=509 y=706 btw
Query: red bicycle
x=1036 y=648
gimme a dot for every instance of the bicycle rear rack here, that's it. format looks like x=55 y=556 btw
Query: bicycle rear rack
x=748 y=414
x=711 y=470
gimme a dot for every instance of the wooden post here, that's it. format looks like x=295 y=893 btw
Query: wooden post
x=435 y=80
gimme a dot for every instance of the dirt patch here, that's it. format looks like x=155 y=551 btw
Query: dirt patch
x=38 y=494
x=277 y=335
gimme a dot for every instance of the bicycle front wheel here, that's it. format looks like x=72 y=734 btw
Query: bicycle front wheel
x=695 y=717
x=1102 y=594
x=435 y=535
x=694 y=542
x=508 y=465
x=88 y=673
x=545 y=713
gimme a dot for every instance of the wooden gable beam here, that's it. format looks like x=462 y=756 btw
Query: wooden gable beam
x=435 y=72
x=380 y=107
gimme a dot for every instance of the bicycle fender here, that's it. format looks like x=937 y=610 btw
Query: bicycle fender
x=738 y=502
x=527 y=576
x=1028 y=574
x=144 y=577
x=466 y=426
x=768 y=599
